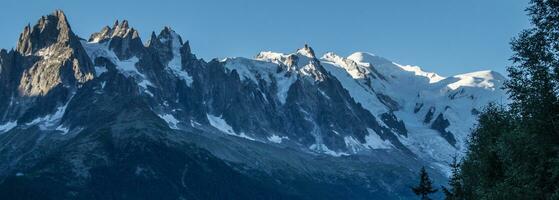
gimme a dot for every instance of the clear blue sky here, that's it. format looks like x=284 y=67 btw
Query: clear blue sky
x=445 y=36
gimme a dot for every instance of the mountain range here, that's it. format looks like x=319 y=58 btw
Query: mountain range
x=114 y=117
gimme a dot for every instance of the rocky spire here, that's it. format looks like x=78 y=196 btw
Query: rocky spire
x=121 y=30
x=169 y=44
x=50 y=29
x=185 y=51
x=169 y=34
x=62 y=57
x=152 y=39
x=101 y=35
x=123 y=40
x=306 y=51
x=5 y=66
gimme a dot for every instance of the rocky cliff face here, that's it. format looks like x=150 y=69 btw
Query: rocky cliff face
x=60 y=57
x=40 y=76
x=103 y=117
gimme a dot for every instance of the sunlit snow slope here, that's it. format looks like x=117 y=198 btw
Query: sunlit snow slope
x=438 y=112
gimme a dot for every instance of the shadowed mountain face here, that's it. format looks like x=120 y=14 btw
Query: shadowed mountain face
x=114 y=118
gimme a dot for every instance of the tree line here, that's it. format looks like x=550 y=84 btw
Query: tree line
x=513 y=152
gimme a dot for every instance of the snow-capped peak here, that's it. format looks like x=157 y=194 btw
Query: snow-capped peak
x=270 y=56
x=356 y=71
x=174 y=42
x=121 y=29
x=481 y=79
x=169 y=34
x=290 y=61
x=389 y=68
x=364 y=57
x=306 y=51
x=302 y=58
x=432 y=108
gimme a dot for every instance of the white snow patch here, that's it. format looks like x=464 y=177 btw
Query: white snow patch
x=7 y=126
x=194 y=123
x=63 y=129
x=335 y=132
x=175 y=64
x=220 y=124
x=373 y=141
x=171 y=120
x=353 y=144
x=49 y=121
x=128 y=67
x=243 y=135
x=277 y=139
x=283 y=87
x=125 y=67
x=321 y=148
x=249 y=69
x=360 y=93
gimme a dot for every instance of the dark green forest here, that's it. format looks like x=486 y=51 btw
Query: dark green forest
x=513 y=152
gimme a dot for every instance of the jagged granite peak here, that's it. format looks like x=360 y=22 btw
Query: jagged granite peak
x=123 y=40
x=309 y=65
x=102 y=35
x=50 y=29
x=6 y=69
x=62 y=59
x=187 y=52
x=306 y=51
x=118 y=30
x=165 y=43
x=303 y=62
x=152 y=38
x=123 y=25
x=169 y=34
x=170 y=50
x=5 y=62
x=124 y=30
x=3 y=54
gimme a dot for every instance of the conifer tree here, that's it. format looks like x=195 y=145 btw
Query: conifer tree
x=425 y=187
x=513 y=153
x=455 y=192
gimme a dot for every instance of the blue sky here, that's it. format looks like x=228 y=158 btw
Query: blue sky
x=444 y=36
